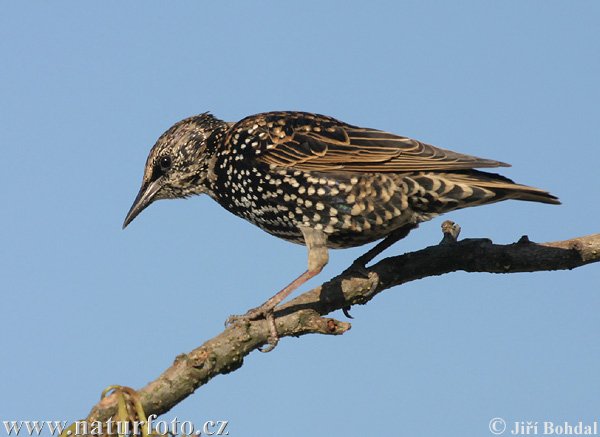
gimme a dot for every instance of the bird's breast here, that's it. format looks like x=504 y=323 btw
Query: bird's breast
x=352 y=209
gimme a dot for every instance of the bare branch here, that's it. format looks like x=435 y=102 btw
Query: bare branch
x=304 y=314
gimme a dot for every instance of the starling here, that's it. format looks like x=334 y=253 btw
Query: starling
x=314 y=180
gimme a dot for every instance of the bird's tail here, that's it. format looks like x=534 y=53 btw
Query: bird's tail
x=502 y=187
x=443 y=192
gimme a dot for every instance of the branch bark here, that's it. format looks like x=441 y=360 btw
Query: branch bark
x=305 y=314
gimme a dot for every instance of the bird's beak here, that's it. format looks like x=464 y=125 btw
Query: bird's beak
x=144 y=198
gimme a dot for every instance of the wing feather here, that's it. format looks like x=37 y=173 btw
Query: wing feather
x=314 y=142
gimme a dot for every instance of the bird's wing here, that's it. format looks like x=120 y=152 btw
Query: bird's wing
x=314 y=142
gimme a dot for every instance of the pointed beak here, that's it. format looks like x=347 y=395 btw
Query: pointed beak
x=144 y=198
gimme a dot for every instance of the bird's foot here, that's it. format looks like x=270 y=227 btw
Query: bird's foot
x=373 y=283
x=358 y=267
x=263 y=311
x=266 y=309
x=346 y=311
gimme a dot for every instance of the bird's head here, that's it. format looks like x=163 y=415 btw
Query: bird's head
x=179 y=164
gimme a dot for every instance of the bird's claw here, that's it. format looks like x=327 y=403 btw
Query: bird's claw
x=374 y=279
x=273 y=334
x=358 y=267
x=255 y=314
x=346 y=311
x=232 y=320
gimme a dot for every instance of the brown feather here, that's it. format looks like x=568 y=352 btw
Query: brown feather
x=318 y=143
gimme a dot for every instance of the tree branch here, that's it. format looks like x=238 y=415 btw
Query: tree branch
x=304 y=314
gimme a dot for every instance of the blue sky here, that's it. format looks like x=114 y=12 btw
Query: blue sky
x=88 y=87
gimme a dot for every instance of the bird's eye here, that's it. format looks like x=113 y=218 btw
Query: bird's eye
x=165 y=163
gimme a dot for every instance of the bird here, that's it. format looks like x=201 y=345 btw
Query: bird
x=313 y=180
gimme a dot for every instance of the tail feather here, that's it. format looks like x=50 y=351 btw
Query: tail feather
x=502 y=187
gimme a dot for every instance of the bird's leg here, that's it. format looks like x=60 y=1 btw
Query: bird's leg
x=318 y=257
x=359 y=264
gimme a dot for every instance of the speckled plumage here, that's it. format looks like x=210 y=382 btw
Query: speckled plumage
x=302 y=176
